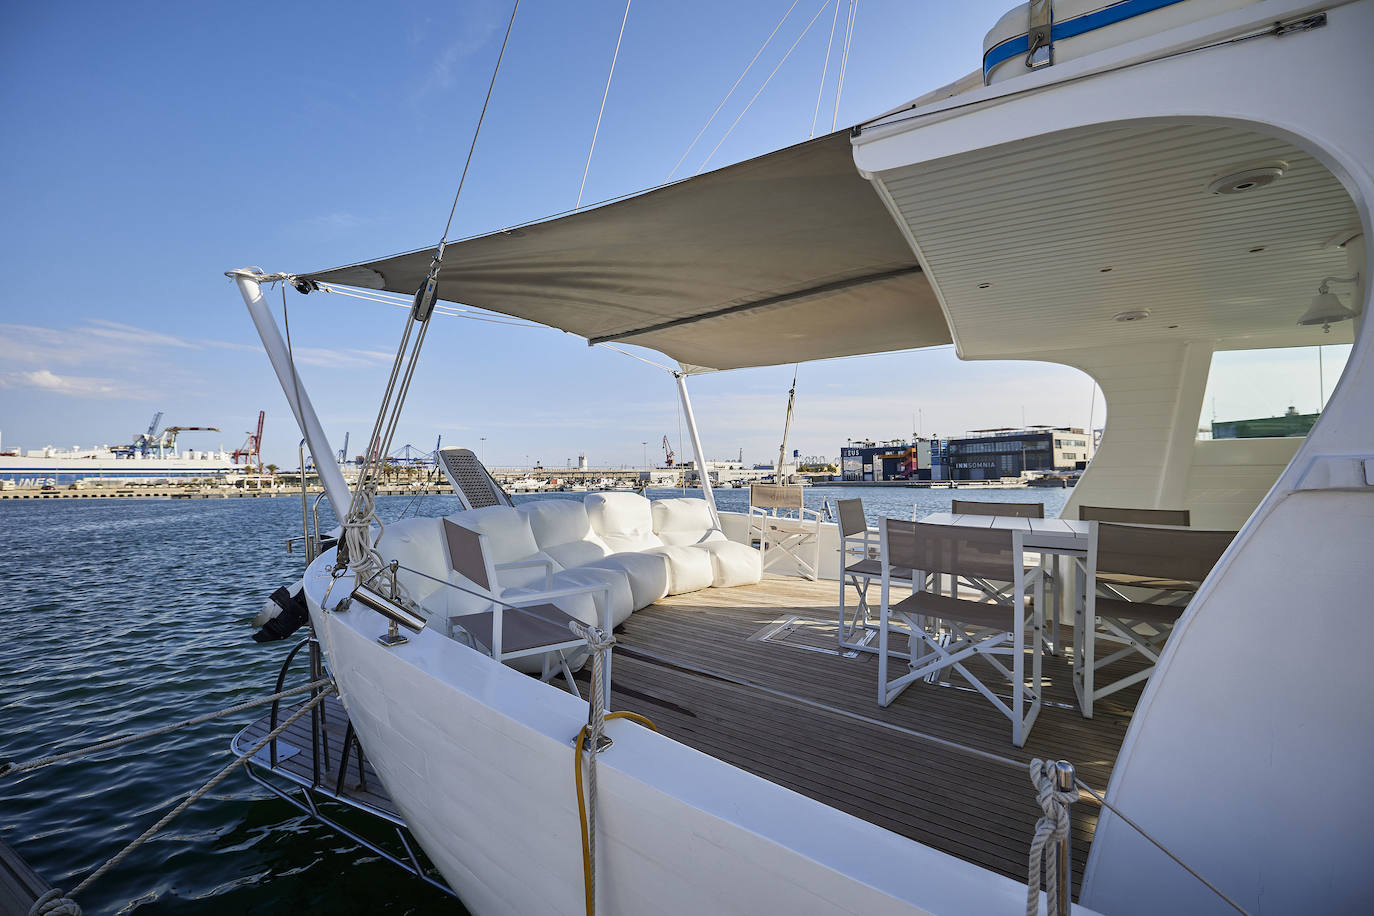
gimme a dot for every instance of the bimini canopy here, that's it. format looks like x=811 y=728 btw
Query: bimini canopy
x=783 y=258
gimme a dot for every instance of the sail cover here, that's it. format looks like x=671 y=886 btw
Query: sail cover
x=787 y=257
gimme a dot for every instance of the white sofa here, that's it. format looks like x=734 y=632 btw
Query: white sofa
x=638 y=550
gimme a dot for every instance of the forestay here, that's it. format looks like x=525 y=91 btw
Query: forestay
x=787 y=257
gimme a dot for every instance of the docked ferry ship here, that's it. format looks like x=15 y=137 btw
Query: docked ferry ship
x=151 y=457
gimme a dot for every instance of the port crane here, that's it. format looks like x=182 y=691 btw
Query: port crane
x=343 y=452
x=668 y=454
x=252 y=447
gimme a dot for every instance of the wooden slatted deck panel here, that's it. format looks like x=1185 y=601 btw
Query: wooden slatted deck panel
x=809 y=721
x=692 y=664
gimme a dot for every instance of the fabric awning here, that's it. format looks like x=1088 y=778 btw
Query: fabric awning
x=784 y=258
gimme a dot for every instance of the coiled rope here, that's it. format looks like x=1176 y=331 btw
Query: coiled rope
x=589 y=739
x=58 y=902
x=8 y=769
x=1050 y=830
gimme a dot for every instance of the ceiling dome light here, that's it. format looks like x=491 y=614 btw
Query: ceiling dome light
x=1248 y=179
x=1326 y=308
x=1132 y=315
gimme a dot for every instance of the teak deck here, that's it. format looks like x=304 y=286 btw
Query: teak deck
x=809 y=721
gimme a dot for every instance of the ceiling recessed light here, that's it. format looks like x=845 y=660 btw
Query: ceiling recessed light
x=1248 y=178
x=984 y=285
x=1132 y=315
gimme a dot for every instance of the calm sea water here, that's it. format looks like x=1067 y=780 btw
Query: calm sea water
x=122 y=615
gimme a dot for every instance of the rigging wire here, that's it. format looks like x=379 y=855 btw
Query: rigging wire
x=763 y=87
x=687 y=152
x=844 y=60
x=604 y=93
x=825 y=70
x=443 y=241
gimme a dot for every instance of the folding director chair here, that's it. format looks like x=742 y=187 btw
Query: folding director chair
x=784 y=527
x=988 y=628
x=860 y=561
x=1137 y=582
x=526 y=624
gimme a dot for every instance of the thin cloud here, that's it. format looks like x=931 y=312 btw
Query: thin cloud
x=341 y=359
x=71 y=385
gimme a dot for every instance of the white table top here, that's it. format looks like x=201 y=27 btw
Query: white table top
x=1059 y=534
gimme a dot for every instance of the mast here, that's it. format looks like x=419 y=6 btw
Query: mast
x=787 y=426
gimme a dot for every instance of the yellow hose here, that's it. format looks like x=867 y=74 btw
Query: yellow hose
x=588 y=878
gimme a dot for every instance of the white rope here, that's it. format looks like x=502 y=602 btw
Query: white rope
x=605 y=92
x=8 y=769
x=599 y=642
x=741 y=115
x=844 y=60
x=687 y=152
x=1050 y=831
x=55 y=903
x=825 y=69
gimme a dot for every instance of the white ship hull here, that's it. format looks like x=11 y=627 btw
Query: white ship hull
x=38 y=471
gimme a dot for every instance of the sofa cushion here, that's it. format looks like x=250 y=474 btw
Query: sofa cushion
x=689 y=568
x=621 y=598
x=624 y=521
x=684 y=521
x=558 y=521
x=418 y=544
x=647 y=573
x=733 y=563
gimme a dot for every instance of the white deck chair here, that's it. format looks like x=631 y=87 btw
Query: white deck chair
x=976 y=628
x=861 y=564
x=524 y=626
x=781 y=523
x=1137 y=582
x=475 y=486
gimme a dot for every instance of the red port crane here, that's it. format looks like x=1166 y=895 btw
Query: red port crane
x=252 y=448
x=668 y=454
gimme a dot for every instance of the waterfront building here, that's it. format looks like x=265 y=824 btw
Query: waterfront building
x=988 y=454
x=1291 y=423
x=896 y=459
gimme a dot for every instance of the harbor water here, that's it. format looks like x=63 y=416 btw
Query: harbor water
x=123 y=615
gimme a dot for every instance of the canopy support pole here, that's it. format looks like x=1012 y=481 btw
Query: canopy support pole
x=309 y=423
x=703 y=473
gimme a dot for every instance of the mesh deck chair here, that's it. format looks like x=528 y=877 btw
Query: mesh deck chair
x=987 y=628
x=1014 y=510
x=1038 y=573
x=860 y=562
x=523 y=626
x=475 y=486
x=1137 y=617
x=780 y=522
x=1180 y=517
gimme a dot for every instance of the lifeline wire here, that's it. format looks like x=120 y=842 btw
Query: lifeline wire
x=607 y=91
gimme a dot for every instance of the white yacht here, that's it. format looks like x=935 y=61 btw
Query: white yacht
x=1126 y=188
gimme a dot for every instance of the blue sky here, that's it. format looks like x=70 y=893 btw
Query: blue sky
x=149 y=147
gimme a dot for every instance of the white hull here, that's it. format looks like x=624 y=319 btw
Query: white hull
x=479 y=760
